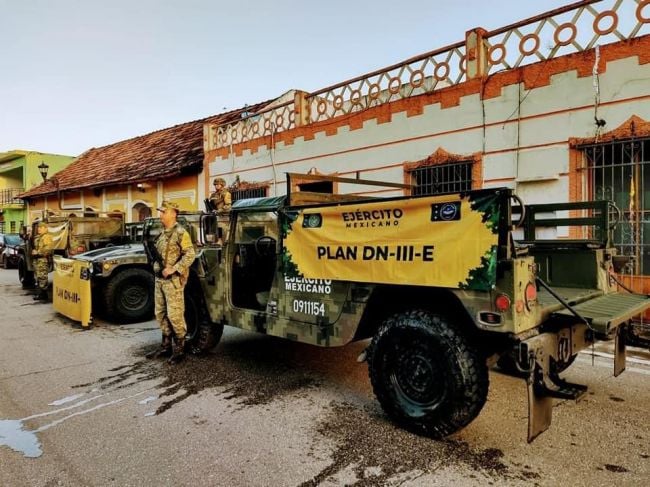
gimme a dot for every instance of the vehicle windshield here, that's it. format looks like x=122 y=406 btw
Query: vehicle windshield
x=100 y=228
x=12 y=240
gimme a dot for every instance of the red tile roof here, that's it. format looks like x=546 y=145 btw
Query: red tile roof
x=161 y=154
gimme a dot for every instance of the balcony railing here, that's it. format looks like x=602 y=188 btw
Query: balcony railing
x=573 y=28
x=10 y=196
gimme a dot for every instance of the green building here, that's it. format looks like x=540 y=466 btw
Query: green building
x=18 y=173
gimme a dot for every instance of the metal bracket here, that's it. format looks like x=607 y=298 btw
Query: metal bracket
x=619 y=350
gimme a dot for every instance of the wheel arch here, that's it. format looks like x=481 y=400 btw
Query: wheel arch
x=123 y=268
x=386 y=301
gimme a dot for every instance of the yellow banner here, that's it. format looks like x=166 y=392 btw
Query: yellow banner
x=447 y=241
x=72 y=296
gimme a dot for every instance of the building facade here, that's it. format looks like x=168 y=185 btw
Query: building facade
x=556 y=107
x=19 y=172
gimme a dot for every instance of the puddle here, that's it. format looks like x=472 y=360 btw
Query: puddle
x=13 y=435
x=147 y=400
x=377 y=452
x=66 y=400
x=251 y=372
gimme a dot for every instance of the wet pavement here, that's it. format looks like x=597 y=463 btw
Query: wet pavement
x=85 y=408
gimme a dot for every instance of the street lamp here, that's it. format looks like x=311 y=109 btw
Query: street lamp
x=43 y=168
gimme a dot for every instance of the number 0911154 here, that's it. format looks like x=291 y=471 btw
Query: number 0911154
x=312 y=308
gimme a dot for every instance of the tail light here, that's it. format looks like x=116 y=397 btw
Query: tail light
x=530 y=294
x=77 y=250
x=502 y=303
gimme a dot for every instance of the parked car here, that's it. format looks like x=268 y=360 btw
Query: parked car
x=9 y=256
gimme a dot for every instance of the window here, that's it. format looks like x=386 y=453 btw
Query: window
x=12 y=227
x=140 y=212
x=442 y=178
x=619 y=171
x=249 y=192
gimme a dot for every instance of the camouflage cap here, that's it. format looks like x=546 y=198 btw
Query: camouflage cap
x=41 y=223
x=220 y=181
x=166 y=204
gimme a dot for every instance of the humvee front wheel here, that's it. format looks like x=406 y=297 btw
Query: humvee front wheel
x=425 y=374
x=25 y=277
x=202 y=336
x=129 y=296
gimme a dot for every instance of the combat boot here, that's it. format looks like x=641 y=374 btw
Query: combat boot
x=41 y=295
x=165 y=349
x=179 y=351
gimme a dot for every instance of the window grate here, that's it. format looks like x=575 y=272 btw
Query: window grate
x=620 y=172
x=241 y=194
x=442 y=178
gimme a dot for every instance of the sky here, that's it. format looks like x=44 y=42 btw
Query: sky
x=77 y=74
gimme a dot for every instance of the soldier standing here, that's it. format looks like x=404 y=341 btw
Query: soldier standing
x=171 y=268
x=221 y=198
x=42 y=253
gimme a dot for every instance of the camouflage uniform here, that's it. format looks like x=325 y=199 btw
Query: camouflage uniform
x=221 y=199
x=43 y=249
x=175 y=247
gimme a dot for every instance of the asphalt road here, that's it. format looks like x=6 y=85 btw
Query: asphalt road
x=85 y=408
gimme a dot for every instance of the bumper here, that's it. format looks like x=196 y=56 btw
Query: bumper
x=567 y=332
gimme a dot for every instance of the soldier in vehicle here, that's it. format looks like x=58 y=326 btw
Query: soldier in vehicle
x=42 y=253
x=174 y=254
x=220 y=198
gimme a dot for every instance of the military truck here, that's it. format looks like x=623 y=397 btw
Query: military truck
x=122 y=280
x=437 y=284
x=71 y=235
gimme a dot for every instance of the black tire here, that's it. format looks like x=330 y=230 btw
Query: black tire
x=129 y=296
x=202 y=336
x=3 y=262
x=426 y=375
x=25 y=277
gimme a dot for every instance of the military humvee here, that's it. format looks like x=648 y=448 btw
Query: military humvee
x=71 y=235
x=121 y=278
x=438 y=283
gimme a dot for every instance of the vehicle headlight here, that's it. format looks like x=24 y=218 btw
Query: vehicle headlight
x=108 y=265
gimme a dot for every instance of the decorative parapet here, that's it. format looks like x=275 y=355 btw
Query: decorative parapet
x=575 y=28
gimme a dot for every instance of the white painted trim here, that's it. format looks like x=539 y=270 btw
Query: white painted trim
x=159 y=194
x=538 y=179
x=200 y=181
x=128 y=204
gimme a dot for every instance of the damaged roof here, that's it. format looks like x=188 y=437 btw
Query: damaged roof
x=161 y=154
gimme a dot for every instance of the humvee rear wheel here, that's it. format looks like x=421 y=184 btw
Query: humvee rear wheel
x=425 y=374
